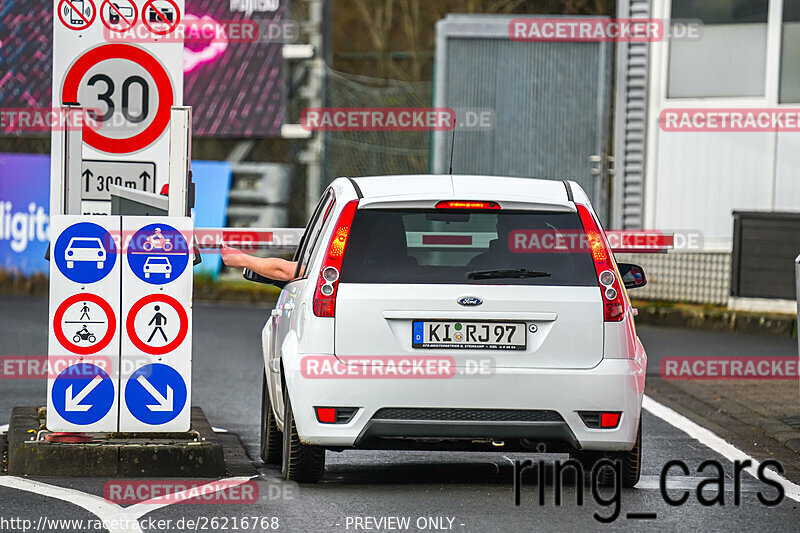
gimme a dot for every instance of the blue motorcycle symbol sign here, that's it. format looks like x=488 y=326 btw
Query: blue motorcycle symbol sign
x=158 y=254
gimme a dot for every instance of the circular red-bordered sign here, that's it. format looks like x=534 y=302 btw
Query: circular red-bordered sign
x=162 y=17
x=166 y=96
x=85 y=22
x=114 y=10
x=84 y=350
x=183 y=329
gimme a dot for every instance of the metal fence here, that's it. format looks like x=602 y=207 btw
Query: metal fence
x=694 y=277
x=360 y=153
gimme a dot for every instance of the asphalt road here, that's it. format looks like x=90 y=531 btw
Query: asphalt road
x=362 y=490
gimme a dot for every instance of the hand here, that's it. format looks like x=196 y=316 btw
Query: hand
x=234 y=258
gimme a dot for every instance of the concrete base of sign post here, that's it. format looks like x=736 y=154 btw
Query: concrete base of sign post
x=200 y=453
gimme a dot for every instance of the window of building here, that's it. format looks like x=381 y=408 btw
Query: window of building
x=730 y=58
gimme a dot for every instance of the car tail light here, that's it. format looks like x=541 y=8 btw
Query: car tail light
x=328 y=280
x=609 y=420
x=600 y=420
x=460 y=204
x=335 y=415
x=326 y=415
x=614 y=302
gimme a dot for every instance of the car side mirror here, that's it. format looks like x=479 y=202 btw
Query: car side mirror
x=249 y=275
x=632 y=275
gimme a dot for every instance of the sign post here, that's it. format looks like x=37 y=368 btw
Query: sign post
x=119 y=349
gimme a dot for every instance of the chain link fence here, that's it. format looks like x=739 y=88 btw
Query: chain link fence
x=374 y=153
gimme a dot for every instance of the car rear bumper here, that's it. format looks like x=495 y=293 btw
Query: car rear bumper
x=613 y=385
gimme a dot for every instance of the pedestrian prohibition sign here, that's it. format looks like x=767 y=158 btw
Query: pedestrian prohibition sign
x=157 y=324
x=83 y=394
x=155 y=394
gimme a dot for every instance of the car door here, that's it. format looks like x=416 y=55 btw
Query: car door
x=284 y=316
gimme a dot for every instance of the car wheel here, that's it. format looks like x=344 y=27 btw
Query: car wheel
x=100 y=264
x=166 y=275
x=630 y=464
x=271 y=436
x=70 y=264
x=300 y=462
x=147 y=274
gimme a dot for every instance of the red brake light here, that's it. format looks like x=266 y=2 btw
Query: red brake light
x=609 y=420
x=614 y=300
x=325 y=301
x=326 y=415
x=451 y=204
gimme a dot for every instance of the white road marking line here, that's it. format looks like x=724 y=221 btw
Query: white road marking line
x=110 y=513
x=218 y=430
x=96 y=505
x=716 y=443
x=148 y=506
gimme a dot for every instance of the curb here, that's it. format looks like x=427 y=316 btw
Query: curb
x=715 y=319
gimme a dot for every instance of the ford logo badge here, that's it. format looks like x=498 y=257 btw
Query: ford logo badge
x=470 y=301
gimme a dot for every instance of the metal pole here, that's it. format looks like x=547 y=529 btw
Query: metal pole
x=797 y=288
x=72 y=162
x=316 y=88
x=180 y=161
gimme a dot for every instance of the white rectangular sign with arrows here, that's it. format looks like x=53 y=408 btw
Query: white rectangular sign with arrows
x=98 y=176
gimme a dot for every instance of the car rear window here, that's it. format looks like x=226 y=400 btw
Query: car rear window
x=445 y=246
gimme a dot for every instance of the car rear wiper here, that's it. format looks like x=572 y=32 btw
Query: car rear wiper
x=506 y=273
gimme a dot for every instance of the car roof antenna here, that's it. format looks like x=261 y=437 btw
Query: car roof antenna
x=452 y=149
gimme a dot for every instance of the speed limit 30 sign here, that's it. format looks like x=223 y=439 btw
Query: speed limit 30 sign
x=126 y=88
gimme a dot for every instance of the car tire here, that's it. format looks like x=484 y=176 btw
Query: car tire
x=271 y=436
x=70 y=264
x=300 y=462
x=147 y=274
x=100 y=265
x=630 y=463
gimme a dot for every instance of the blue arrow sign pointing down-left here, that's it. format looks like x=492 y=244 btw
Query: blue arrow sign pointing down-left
x=83 y=394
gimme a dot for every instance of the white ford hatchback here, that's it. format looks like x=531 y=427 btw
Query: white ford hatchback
x=453 y=313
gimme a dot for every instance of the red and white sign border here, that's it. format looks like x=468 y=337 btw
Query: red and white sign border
x=183 y=329
x=59 y=331
x=166 y=95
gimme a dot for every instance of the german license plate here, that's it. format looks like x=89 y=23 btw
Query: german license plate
x=468 y=335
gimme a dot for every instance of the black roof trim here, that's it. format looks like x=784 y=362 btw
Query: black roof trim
x=357 y=188
x=569 y=191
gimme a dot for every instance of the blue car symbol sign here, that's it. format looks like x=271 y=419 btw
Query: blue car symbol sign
x=470 y=301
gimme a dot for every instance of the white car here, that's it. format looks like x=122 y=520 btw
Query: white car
x=85 y=249
x=453 y=313
x=157 y=265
